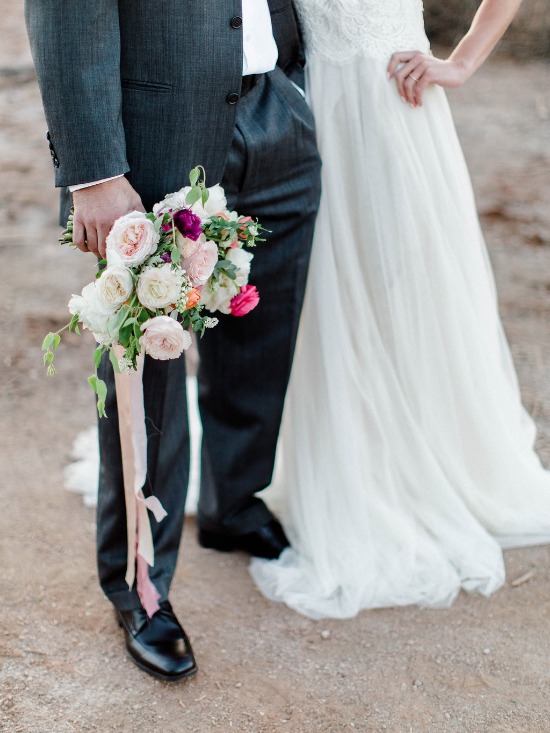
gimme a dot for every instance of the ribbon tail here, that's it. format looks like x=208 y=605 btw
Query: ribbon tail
x=147 y=592
x=133 y=442
x=128 y=465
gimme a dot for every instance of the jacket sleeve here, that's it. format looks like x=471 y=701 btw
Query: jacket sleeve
x=76 y=52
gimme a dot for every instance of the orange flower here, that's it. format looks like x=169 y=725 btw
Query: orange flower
x=242 y=231
x=193 y=297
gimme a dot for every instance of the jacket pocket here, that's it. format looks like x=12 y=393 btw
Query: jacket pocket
x=146 y=86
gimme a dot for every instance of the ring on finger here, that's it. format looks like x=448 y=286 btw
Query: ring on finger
x=414 y=78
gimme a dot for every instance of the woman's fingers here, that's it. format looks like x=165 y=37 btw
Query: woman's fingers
x=424 y=80
x=413 y=71
x=405 y=81
x=399 y=58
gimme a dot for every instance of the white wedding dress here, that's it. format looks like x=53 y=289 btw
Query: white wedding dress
x=406 y=459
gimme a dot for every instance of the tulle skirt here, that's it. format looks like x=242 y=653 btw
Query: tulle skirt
x=406 y=459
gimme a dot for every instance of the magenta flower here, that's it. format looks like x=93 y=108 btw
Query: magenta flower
x=245 y=301
x=188 y=224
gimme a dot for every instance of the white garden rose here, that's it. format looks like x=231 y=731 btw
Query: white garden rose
x=95 y=315
x=164 y=338
x=241 y=259
x=158 y=287
x=217 y=202
x=133 y=238
x=115 y=285
x=174 y=201
x=218 y=297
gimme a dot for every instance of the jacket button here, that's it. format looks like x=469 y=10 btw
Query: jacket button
x=232 y=98
x=236 y=22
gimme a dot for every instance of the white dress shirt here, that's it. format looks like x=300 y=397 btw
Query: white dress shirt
x=259 y=47
x=259 y=51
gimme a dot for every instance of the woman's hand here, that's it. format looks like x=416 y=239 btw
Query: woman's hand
x=413 y=71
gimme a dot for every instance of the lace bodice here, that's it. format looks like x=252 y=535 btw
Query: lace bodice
x=343 y=29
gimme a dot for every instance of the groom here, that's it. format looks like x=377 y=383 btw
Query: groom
x=136 y=93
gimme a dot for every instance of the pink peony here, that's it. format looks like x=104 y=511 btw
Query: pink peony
x=245 y=301
x=201 y=264
x=164 y=338
x=132 y=238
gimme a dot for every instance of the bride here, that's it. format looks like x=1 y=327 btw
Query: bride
x=406 y=461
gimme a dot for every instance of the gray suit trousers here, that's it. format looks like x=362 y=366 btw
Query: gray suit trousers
x=272 y=173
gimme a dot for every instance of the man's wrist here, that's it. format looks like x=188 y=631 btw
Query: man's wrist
x=80 y=186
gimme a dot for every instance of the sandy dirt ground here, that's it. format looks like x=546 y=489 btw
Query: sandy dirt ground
x=482 y=665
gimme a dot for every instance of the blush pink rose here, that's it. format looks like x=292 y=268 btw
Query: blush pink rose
x=188 y=247
x=245 y=301
x=133 y=238
x=201 y=264
x=164 y=338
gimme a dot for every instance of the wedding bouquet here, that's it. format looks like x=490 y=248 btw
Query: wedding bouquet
x=162 y=270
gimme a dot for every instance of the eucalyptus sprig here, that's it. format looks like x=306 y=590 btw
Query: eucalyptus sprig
x=221 y=230
x=67 y=236
x=52 y=341
x=197 y=179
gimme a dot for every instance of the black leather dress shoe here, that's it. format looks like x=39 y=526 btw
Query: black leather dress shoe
x=158 y=645
x=267 y=541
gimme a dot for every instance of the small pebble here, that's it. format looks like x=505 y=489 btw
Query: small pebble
x=487 y=651
x=325 y=634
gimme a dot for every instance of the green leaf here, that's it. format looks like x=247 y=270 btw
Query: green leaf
x=175 y=255
x=194 y=176
x=98 y=353
x=73 y=325
x=48 y=341
x=120 y=317
x=114 y=361
x=124 y=334
x=101 y=408
x=101 y=389
x=205 y=195
x=228 y=268
x=193 y=196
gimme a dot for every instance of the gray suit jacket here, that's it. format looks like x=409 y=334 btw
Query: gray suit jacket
x=144 y=87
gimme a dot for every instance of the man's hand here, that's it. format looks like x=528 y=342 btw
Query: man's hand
x=95 y=210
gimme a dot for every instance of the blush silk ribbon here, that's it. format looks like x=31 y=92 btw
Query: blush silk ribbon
x=133 y=443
